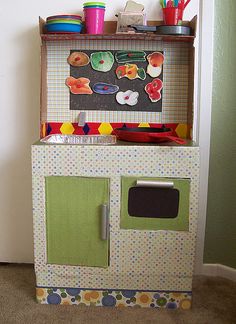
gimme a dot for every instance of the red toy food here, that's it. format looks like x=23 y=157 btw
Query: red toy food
x=153 y=90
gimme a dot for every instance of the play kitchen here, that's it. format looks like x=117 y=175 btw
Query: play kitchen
x=115 y=172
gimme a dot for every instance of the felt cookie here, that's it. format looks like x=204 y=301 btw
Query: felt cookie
x=78 y=59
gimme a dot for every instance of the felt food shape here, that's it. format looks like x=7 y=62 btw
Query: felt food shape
x=130 y=56
x=78 y=59
x=155 y=61
x=79 y=86
x=130 y=71
x=121 y=71
x=153 y=90
x=128 y=97
x=102 y=61
x=105 y=88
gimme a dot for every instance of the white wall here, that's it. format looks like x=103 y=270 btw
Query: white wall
x=19 y=110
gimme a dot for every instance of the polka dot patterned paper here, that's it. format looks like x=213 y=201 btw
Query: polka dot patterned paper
x=139 y=259
x=118 y=298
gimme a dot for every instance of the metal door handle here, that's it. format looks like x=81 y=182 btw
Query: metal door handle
x=153 y=183
x=104 y=222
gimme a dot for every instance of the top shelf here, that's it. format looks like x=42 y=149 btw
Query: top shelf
x=110 y=34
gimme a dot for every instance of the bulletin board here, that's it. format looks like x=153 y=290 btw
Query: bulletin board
x=108 y=102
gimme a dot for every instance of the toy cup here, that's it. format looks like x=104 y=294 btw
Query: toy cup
x=94 y=20
x=94 y=3
x=172 y=15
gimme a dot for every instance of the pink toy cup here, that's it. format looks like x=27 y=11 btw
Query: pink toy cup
x=94 y=20
x=172 y=16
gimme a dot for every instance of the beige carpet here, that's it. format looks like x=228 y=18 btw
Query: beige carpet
x=214 y=302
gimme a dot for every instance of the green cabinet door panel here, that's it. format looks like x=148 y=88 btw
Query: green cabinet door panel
x=180 y=223
x=73 y=219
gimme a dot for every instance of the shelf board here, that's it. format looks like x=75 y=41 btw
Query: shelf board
x=135 y=37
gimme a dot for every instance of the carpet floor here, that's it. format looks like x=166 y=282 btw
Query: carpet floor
x=214 y=302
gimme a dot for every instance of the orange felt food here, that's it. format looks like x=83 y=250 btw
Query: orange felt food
x=131 y=71
x=78 y=59
x=79 y=86
x=155 y=59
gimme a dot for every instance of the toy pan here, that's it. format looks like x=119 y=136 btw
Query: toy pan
x=147 y=134
x=163 y=29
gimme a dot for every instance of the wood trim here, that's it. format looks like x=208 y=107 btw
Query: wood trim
x=191 y=90
x=203 y=120
x=219 y=270
x=43 y=86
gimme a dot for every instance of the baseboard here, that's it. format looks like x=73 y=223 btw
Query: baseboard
x=219 y=270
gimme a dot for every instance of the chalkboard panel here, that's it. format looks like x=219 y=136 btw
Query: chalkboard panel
x=153 y=202
x=108 y=102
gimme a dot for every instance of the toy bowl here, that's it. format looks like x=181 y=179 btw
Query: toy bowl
x=74 y=17
x=63 y=21
x=63 y=27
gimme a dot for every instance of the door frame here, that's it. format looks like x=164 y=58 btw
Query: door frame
x=204 y=104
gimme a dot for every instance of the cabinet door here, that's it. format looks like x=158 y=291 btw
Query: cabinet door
x=73 y=220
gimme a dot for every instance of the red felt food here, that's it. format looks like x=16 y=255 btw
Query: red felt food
x=153 y=90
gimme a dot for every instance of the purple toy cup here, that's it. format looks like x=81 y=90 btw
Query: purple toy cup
x=94 y=20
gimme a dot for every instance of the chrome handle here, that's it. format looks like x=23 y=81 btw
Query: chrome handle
x=104 y=222
x=155 y=184
x=82 y=118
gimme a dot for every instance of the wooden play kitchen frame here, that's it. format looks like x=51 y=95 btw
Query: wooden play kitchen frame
x=80 y=190
x=112 y=38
